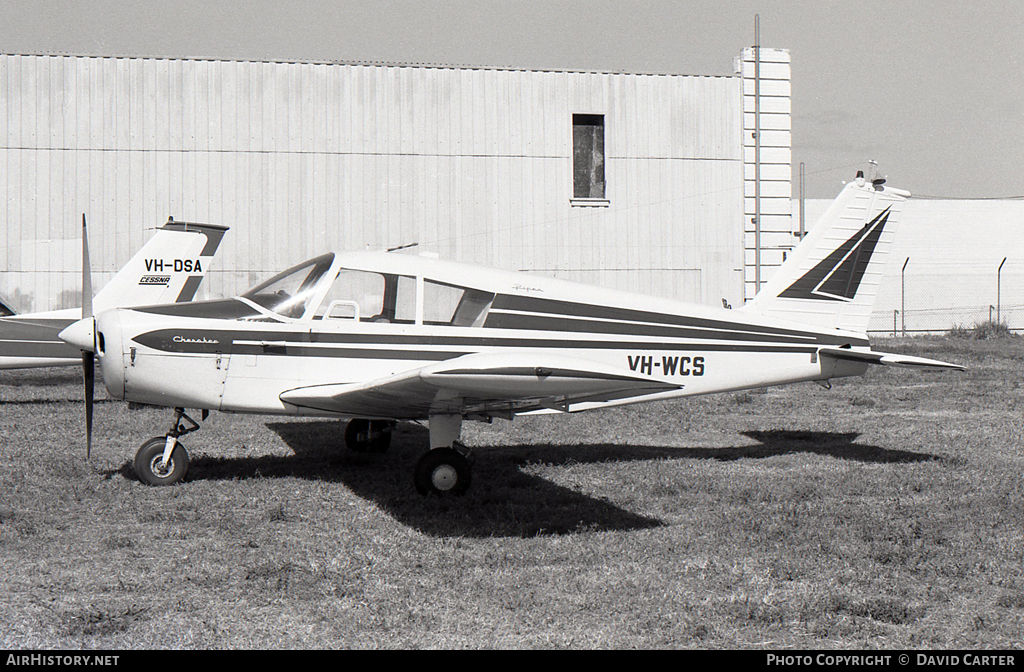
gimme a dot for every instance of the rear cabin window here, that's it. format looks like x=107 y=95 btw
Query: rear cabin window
x=455 y=306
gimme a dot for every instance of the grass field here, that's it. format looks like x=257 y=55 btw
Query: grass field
x=885 y=512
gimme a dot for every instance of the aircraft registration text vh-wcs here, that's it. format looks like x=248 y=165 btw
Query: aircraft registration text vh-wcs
x=379 y=337
x=168 y=268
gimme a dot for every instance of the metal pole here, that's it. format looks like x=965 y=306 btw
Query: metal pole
x=803 y=228
x=903 y=295
x=757 y=153
x=999 y=292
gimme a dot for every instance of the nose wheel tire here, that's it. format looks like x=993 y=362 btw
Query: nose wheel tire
x=149 y=466
x=443 y=471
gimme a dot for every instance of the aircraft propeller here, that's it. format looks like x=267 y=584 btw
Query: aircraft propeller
x=88 y=357
x=83 y=334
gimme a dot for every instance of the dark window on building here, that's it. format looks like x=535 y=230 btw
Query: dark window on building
x=588 y=156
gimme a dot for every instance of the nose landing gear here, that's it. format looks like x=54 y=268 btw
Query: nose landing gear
x=163 y=460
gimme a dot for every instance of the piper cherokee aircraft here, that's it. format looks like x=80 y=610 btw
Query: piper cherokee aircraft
x=380 y=337
x=168 y=268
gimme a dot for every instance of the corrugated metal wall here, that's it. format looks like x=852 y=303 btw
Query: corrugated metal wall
x=299 y=158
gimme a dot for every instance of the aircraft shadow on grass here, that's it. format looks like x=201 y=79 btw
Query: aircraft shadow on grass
x=507 y=501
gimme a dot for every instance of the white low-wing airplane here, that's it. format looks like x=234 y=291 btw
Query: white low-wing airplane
x=382 y=337
x=168 y=268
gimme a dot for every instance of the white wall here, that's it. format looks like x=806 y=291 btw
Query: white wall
x=955 y=248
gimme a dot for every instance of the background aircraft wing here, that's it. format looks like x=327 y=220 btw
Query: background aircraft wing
x=481 y=383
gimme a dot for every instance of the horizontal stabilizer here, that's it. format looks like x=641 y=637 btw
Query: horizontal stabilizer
x=887 y=359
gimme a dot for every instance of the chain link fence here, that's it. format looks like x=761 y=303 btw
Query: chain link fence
x=942 y=300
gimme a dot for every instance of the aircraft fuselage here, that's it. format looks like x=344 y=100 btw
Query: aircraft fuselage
x=249 y=360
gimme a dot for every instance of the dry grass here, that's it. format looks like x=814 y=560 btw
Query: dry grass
x=887 y=512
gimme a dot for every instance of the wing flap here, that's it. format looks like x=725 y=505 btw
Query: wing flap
x=887 y=359
x=480 y=382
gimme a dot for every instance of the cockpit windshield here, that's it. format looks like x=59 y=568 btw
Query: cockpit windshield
x=288 y=293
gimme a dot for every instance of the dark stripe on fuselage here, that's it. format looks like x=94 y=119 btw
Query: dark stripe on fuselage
x=291 y=350
x=565 y=324
x=208 y=341
x=520 y=313
x=214 y=309
x=566 y=309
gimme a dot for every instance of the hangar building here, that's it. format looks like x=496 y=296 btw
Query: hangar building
x=637 y=181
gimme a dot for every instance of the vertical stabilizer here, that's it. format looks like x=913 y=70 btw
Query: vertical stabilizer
x=168 y=269
x=832 y=277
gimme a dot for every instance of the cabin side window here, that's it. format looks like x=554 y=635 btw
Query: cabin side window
x=453 y=305
x=370 y=297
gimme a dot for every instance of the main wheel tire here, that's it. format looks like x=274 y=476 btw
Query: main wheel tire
x=148 y=463
x=443 y=471
x=368 y=436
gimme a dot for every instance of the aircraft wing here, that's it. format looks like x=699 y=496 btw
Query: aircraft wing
x=887 y=359
x=480 y=383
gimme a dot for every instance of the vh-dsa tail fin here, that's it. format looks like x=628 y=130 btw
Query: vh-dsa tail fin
x=168 y=269
x=832 y=277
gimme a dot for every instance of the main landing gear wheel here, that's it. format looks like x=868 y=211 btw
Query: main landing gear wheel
x=368 y=436
x=443 y=471
x=149 y=463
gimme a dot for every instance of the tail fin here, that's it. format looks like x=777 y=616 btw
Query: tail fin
x=832 y=277
x=168 y=269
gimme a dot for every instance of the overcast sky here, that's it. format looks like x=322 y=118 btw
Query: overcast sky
x=933 y=90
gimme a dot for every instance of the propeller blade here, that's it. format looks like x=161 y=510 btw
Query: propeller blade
x=89 y=366
x=88 y=356
x=86 y=273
